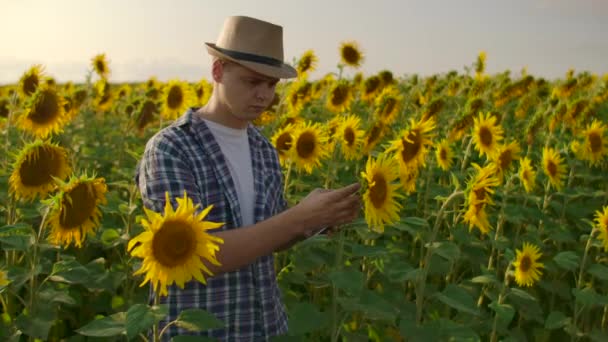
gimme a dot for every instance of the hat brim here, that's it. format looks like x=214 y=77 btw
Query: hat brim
x=283 y=71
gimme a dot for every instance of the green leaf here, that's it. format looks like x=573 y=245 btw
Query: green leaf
x=305 y=318
x=36 y=325
x=113 y=325
x=398 y=271
x=485 y=279
x=598 y=271
x=556 y=319
x=190 y=338
x=588 y=297
x=504 y=312
x=459 y=299
x=348 y=280
x=141 y=317
x=51 y=295
x=368 y=251
x=69 y=271
x=415 y=221
x=198 y=320
x=567 y=260
x=18 y=237
x=522 y=294
x=447 y=250
x=376 y=307
x=109 y=236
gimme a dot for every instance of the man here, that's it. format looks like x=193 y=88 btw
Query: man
x=216 y=156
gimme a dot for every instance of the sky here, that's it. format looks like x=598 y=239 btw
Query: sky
x=165 y=39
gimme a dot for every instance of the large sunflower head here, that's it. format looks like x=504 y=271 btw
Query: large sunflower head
x=526 y=264
x=595 y=145
x=339 y=97
x=351 y=137
x=444 y=154
x=30 y=80
x=44 y=113
x=309 y=146
x=554 y=167
x=527 y=174
x=307 y=63
x=283 y=142
x=504 y=157
x=381 y=198
x=76 y=212
x=176 y=98
x=174 y=245
x=487 y=134
x=601 y=225
x=100 y=65
x=351 y=54
x=412 y=145
x=388 y=105
x=35 y=168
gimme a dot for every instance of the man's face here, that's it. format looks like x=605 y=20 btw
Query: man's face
x=246 y=93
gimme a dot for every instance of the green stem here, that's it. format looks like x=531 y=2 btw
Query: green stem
x=155 y=332
x=334 y=303
x=579 y=280
x=501 y=298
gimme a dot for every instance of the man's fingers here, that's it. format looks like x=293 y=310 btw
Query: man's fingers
x=346 y=191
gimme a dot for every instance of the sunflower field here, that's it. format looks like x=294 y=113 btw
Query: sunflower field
x=484 y=218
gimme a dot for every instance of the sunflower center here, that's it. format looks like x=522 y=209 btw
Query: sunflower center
x=30 y=84
x=552 y=168
x=349 y=136
x=306 y=145
x=505 y=159
x=339 y=95
x=378 y=191
x=485 y=136
x=305 y=63
x=443 y=154
x=40 y=167
x=78 y=206
x=480 y=194
x=411 y=149
x=3 y=108
x=146 y=114
x=174 y=243
x=284 y=142
x=46 y=108
x=525 y=263
x=595 y=141
x=374 y=134
x=100 y=66
x=389 y=106
x=371 y=84
x=351 y=55
x=175 y=97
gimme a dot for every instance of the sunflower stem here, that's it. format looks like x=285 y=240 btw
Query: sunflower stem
x=155 y=332
x=579 y=280
x=501 y=298
x=467 y=155
x=335 y=333
x=421 y=281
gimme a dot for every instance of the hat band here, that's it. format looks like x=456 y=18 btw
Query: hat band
x=249 y=57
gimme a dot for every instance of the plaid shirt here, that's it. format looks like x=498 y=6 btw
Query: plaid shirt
x=185 y=156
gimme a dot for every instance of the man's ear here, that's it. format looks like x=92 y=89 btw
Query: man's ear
x=217 y=70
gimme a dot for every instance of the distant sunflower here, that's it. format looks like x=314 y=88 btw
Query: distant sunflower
x=4 y=107
x=370 y=87
x=30 y=80
x=265 y=118
x=527 y=174
x=381 y=198
x=146 y=113
x=298 y=95
x=408 y=178
x=373 y=136
x=595 y=145
x=601 y=224
x=332 y=128
x=388 y=105
x=504 y=157
x=176 y=99
x=444 y=154
x=307 y=63
x=351 y=54
x=35 y=167
x=309 y=146
x=351 y=137
x=76 y=212
x=487 y=134
x=103 y=95
x=339 y=97
x=413 y=144
x=554 y=168
x=124 y=91
x=100 y=65
x=527 y=266
x=202 y=91
x=174 y=245
x=283 y=142
x=480 y=65
x=44 y=113
x=478 y=195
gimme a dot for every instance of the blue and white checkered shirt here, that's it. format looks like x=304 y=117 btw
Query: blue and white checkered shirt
x=185 y=156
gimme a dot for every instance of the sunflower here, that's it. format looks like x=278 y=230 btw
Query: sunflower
x=527 y=266
x=444 y=154
x=412 y=145
x=145 y=113
x=480 y=65
x=554 y=168
x=351 y=54
x=104 y=95
x=35 y=167
x=4 y=107
x=527 y=174
x=299 y=94
x=595 y=146
x=478 y=196
x=487 y=134
x=3 y=279
x=30 y=80
x=176 y=98
x=75 y=212
x=408 y=178
x=100 y=65
x=370 y=87
x=283 y=141
x=265 y=118
x=504 y=158
x=351 y=137
x=388 y=105
x=381 y=196
x=202 y=91
x=307 y=63
x=332 y=127
x=44 y=113
x=373 y=136
x=339 y=97
x=309 y=146
x=601 y=219
x=174 y=245
x=124 y=91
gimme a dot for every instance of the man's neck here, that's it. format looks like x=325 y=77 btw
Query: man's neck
x=218 y=113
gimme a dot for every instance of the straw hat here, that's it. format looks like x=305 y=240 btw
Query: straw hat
x=254 y=44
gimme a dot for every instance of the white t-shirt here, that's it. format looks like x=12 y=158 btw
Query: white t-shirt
x=234 y=144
